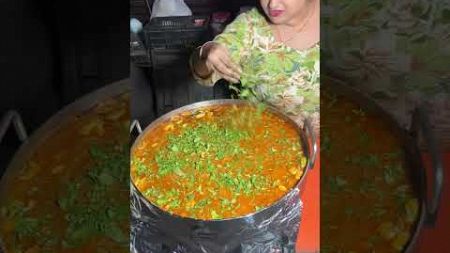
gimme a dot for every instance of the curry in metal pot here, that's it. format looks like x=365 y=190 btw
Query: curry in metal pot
x=218 y=162
x=368 y=202
x=72 y=193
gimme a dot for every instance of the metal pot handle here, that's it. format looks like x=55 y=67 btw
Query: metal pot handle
x=420 y=121
x=135 y=124
x=13 y=117
x=308 y=129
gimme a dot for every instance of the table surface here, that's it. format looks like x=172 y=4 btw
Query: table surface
x=431 y=239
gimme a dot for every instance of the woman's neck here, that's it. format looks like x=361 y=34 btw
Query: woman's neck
x=308 y=12
x=301 y=33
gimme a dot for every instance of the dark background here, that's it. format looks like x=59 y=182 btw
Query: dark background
x=53 y=52
x=140 y=8
x=167 y=83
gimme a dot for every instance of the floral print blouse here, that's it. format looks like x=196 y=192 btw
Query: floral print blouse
x=397 y=52
x=272 y=72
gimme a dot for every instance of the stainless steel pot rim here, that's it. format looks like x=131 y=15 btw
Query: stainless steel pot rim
x=204 y=104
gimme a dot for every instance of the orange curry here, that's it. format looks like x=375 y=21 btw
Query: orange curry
x=218 y=162
x=72 y=194
x=368 y=203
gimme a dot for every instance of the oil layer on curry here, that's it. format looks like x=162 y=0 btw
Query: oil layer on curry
x=368 y=203
x=218 y=162
x=72 y=194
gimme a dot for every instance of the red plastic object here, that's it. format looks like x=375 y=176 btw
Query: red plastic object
x=308 y=239
x=436 y=239
x=431 y=239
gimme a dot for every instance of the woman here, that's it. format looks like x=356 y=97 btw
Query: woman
x=274 y=51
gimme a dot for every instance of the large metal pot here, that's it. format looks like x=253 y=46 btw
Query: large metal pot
x=239 y=234
x=53 y=125
x=428 y=204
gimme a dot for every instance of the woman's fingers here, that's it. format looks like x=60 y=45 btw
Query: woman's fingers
x=227 y=68
x=224 y=72
x=225 y=75
x=219 y=59
x=231 y=66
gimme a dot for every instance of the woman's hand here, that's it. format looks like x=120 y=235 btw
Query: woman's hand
x=217 y=58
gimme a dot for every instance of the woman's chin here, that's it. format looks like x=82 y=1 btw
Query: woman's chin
x=277 y=20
